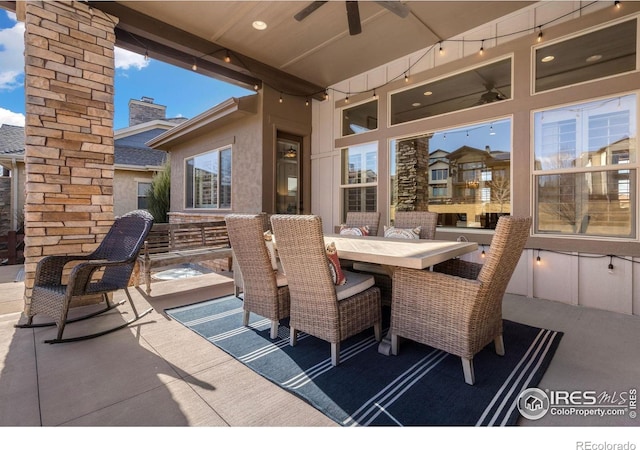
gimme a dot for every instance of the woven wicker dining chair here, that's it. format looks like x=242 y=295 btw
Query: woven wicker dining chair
x=426 y=220
x=238 y=282
x=265 y=290
x=319 y=307
x=359 y=219
x=105 y=270
x=450 y=312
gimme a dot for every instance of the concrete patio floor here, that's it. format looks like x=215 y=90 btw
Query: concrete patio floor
x=159 y=373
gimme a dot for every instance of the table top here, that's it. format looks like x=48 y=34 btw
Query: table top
x=414 y=254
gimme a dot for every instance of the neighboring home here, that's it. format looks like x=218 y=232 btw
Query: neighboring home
x=246 y=154
x=135 y=164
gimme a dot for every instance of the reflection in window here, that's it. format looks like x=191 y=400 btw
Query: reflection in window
x=359 y=178
x=360 y=118
x=601 y=53
x=479 y=86
x=580 y=185
x=208 y=180
x=462 y=174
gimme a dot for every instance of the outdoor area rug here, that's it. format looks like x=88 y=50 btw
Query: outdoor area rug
x=418 y=387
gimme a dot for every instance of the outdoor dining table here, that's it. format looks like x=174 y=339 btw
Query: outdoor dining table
x=410 y=253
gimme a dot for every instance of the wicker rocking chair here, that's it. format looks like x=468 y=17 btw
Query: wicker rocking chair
x=115 y=257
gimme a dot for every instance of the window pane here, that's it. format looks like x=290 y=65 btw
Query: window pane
x=225 y=178
x=586 y=135
x=598 y=54
x=360 y=199
x=482 y=85
x=208 y=180
x=360 y=164
x=594 y=203
x=462 y=174
x=143 y=191
x=360 y=118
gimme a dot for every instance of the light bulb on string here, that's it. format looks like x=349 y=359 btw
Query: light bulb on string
x=194 y=67
x=617 y=4
x=482 y=48
x=441 y=49
x=610 y=267
x=540 y=34
x=483 y=254
x=227 y=57
x=306 y=102
x=146 y=55
x=326 y=95
x=280 y=99
x=406 y=77
x=538 y=261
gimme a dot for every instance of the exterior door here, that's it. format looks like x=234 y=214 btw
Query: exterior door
x=288 y=174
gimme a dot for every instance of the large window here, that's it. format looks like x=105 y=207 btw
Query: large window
x=208 y=180
x=598 y=54
x=585 y=168
x=478 y=86
x=359 y=178
x=463 y=174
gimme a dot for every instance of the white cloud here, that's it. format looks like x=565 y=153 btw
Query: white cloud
x=129 y=60
x=11 y=55
x=11 y=118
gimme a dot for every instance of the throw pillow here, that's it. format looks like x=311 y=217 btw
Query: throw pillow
x=268 y=241
x=337 y=275
x=354 y=231
x=402 y=233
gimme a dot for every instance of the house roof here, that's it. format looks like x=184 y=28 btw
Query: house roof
x=130 y=150
x=11 y=139
x=220 y=115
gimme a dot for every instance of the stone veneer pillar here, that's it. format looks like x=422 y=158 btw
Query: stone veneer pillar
x=412 y=169
x=69 y=72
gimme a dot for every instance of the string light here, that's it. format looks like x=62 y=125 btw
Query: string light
x=146 y=55
x=195 y=66
x=374 y=94
x=617 y=4
x=306 y=102
x=227 y=57
x=346 y=99
x=326 y=95
x=280 y=99
x=483 y=254
x=540 y=34
x=482 y=47
x=610 y=264
x=406 y=77
x=441 y=49
x=538 y=258
x=256 y=87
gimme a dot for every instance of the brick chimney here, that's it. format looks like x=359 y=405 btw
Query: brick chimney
x=144 y=110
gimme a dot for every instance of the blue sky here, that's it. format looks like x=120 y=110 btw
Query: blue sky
x=185 y=93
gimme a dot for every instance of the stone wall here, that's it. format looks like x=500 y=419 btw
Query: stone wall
x=69 y=71
x=412 y=169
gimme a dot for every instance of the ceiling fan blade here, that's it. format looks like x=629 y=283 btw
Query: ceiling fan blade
x=353 y=17
x=311 y=7
x=398 y=8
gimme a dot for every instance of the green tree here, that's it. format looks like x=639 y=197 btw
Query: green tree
x=159 y=194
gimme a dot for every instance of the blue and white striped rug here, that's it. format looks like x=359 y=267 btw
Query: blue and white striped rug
x=420 y=386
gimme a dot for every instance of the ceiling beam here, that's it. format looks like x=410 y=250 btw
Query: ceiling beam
x=143 y=34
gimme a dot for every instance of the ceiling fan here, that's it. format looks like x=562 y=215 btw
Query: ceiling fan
x=353 y=12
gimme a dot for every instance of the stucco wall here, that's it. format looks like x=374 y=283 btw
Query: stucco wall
x=245 y=138
x=125 y=189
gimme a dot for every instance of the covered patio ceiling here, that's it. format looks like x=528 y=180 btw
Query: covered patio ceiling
x=294 y=57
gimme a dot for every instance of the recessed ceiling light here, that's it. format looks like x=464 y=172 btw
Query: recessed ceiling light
x=428 y=93
x=259 y=25
x=548 y=58
x=594 y=58
x=416 y=104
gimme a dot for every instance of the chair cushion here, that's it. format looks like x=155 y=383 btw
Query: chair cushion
x=337 y=275
x=402 y=233
x=354 y=231
x=269 y=242
x=356 y=283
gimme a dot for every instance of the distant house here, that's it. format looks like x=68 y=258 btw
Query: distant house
x=134 y=163
x=247 y=154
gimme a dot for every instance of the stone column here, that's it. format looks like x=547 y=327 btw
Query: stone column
x=69 y=73
x=412 y=168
